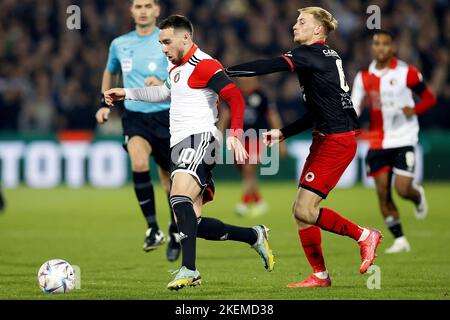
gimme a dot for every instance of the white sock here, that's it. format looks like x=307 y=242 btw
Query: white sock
x=364 y=235
x=321 y=275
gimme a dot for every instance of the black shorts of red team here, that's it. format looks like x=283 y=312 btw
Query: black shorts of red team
x=400 y=160
x=196 y=155
x=153 y=127
x=329 y=156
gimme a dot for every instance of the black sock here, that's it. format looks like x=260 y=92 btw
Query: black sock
x=395 y=227
x=173 y=225
x=145 y=194
x=187 y=226
x=213 y=229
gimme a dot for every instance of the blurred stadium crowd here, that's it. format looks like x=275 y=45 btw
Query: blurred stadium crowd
x=50 y=76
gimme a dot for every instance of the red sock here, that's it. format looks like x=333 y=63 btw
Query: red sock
x=246 y=198
x=311 y=241
x=256 y=197
x=331 y=221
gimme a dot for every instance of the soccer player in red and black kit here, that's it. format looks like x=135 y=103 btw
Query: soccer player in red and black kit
x=331 y=113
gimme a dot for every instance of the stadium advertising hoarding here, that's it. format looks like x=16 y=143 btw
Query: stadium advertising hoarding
x=49 y=162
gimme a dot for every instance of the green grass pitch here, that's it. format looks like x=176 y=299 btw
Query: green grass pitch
x=102 y=231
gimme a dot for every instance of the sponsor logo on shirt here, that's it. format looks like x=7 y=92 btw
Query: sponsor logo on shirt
x=330 y=53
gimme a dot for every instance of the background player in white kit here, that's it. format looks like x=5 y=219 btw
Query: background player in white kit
x=389 y=84
x=195 y=83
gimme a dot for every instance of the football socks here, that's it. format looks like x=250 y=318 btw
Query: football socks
x=331 y=221
x=187 y=227
x=311 y=241
x=214 y=229
x=145 y=194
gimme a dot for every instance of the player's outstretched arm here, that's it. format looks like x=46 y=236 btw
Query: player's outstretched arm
x=114 y=94
x=305 y=122
x=259 y=67
x=272 y=137
x=149 y=94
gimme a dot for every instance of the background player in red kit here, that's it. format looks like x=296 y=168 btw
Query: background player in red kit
x=389 y=84
x=260 y=114
x=330 y=111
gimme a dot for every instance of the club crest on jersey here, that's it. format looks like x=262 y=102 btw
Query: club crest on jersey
x=176 y=78
x=310 y=176
x=152 y=66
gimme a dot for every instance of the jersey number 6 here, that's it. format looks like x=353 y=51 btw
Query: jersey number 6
x=344 y=85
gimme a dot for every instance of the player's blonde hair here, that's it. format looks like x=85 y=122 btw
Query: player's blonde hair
x=323 y=16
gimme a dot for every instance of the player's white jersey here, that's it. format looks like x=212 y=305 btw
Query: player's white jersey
x=193 y=107
x=388 y=91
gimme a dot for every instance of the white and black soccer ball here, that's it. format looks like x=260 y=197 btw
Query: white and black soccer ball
x=56 y=276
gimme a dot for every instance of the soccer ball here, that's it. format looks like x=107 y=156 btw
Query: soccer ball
x=56 y=276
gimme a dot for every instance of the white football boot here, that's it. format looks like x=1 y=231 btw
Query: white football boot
x=400 y=245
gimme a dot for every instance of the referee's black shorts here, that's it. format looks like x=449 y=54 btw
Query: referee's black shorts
x=153 y=127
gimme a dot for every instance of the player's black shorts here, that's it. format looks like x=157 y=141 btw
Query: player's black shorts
x=154 y=127
x=400 y=160
x=196 y=155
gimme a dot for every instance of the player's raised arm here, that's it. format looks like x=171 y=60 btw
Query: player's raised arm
x=260 y=67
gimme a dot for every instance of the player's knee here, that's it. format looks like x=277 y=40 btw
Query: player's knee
x=304 y=212
x=140 y=164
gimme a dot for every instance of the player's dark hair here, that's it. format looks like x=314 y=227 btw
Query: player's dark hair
x=154 y=1
x=384 y=32
x=177 y=22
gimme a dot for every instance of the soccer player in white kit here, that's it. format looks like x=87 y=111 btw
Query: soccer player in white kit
x=389 y=84
x=195 y=83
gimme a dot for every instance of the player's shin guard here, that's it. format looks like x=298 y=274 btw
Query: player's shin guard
x=187 y=227
x=331 y=221
x=145 y=194
x=214 y=229
x=311 y=241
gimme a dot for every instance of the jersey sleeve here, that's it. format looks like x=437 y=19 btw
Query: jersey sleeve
x=203 y=72
x=358 y=93
x=414 y=80
x=298 y=58
x=113 y=63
